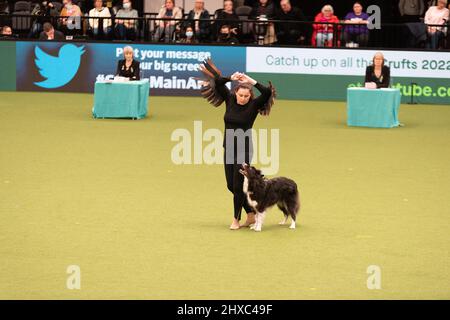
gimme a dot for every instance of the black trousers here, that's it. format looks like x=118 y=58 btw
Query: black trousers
x=235 y=183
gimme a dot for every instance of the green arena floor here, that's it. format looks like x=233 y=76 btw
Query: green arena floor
x=104 y=195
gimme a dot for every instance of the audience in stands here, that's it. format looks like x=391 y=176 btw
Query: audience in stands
x=42 y=11
x=50 y=33
x=289 y=33
x=189 y=36
x=436 y=15
x=357 y=32
x=263 y=8
x=70 y=26
x=6 y=33
x=126 y=23
x=325 y=28
x=226 y=35
x=172 y=25
x=411 y=10
x=202 y=29
x=4 y=7
x=264 y=31
x=166 y=28
x=226 y=16
x=97 y=27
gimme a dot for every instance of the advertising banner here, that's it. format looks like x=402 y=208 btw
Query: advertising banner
x=74 y=67
x=324 y=74
x=297 y=73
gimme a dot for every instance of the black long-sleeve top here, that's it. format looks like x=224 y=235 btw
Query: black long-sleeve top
x=132 y=72
x=268 y=10
x=241 y=116
x=383 y=81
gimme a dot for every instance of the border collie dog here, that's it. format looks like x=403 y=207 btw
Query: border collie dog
x=263 y=193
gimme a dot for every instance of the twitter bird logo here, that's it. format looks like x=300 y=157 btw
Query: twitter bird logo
x=59 y=70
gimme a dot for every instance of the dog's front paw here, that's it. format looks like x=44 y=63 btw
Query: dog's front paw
x=258 y=229
x=282 y=222
x=252 y=227
x=292 y=226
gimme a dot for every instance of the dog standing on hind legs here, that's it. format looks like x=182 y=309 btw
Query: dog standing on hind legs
x=264 y=193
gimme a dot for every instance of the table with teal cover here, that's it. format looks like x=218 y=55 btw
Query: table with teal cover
x=376 y=108
x=127 y=99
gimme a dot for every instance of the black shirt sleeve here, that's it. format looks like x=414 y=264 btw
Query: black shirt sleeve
x=119 y=67
x=136 y=70
x=368 y=74
x=264 y=97
x=386 y=78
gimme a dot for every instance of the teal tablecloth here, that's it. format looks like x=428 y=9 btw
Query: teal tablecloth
x=121 y=99
x=373 y=107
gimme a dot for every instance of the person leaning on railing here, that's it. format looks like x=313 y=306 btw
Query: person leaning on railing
x=436 y=15
x=226 y=16
x=166 y=28
x=264 y=10
x=289 y=32
x=357 y=32
x=69 y=10
x=325 y=26
x=42 y=12
x=126 y=23
x=50 y=33
x=99 y=11
x=198 y=19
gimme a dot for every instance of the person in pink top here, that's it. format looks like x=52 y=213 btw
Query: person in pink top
x=323 y=33
x=436 y=15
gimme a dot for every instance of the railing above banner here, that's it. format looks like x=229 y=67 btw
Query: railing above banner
x=262 y=32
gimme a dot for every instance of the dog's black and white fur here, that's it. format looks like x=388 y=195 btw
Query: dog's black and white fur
x=263 y=193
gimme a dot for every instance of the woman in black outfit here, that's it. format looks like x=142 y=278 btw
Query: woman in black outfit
x=240 y=114
x=378 y=73
x=128 y=67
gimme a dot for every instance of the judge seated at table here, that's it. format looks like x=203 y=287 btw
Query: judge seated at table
x=128 y=67
x=378 y=74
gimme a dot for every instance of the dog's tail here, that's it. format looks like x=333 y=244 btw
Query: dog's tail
x=296 y=207
x=293 y=202
x=297 y=198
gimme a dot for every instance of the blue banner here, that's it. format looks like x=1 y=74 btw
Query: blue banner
x=74 y=67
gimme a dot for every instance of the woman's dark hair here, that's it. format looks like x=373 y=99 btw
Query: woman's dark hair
x=245 y=86
x=189 y=26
